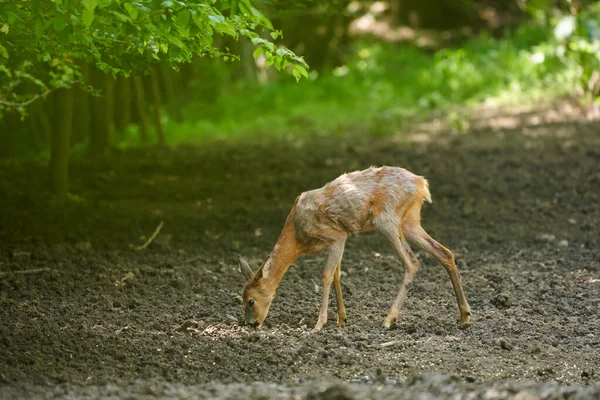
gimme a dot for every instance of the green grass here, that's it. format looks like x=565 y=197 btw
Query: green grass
x=378 y=89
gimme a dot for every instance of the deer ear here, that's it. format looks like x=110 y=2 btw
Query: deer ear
x=244 y=268
x=265 y=268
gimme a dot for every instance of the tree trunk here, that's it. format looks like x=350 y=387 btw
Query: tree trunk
x=173 y=102
x=140 y=106
x=155 y=87
x=395 y=7
x=123 y=103
x=59 y=155
x=109 y=110
x=104 y=124
x=82 y=118
x=45 y=125
x=247 y=62
x=34 y=133
x=108 y=95
x=39 y=126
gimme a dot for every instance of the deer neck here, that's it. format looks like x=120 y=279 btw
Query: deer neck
x=285 y=252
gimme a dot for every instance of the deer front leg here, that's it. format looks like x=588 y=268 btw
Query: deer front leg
x=334 y=257
x=337 y=285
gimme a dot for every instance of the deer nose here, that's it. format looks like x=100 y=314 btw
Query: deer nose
x=253 y=324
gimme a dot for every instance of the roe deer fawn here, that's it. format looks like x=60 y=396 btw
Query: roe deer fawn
x=386 y=199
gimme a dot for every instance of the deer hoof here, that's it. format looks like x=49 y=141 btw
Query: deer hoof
x=465 y=322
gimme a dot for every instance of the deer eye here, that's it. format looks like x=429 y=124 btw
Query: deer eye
x=251 y=303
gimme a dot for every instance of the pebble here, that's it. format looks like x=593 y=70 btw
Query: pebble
x=335 y=392
x=83 y=246
x=505 y=344
x=21 y=254
x=546 y=237
x=523 y=395
x=502 y=300
x=129 y=277
x=491 y=394
x=563 y=243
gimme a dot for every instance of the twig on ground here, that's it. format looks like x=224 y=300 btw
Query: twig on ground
x=25 y=271
x=231 y=317
x=122 y=329
x=388 y=344
x=154 y=235
x=190 y=323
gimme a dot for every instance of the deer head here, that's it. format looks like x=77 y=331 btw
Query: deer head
x=257 y=295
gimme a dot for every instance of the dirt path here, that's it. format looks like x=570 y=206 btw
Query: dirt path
x=519 y=207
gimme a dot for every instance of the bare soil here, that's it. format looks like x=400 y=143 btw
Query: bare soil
x=518 y=205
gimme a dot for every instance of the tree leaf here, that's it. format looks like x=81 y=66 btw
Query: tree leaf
x=176 y=41
x=121 y=17
x=258 y=52
x=222 y=25
x=299 y=72
x=88 y=11
x=3 y=51
x=39 y=28
x=278 y=63
x=260 y=16
x=206 y=38
x=6 y=71
x=216 y=18
x=131 y=10
x=183 y=18
x=59 y=23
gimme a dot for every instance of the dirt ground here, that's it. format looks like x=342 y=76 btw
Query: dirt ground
x=517 y=199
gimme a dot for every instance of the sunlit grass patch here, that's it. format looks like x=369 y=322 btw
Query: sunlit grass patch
x=375 y=91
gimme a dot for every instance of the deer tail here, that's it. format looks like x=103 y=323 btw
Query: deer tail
x=425 y=191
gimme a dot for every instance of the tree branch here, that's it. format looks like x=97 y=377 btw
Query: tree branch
x=31 y=100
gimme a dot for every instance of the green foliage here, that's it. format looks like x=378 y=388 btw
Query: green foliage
x=567 y=39
x=380 y=87
x=42 y=42
x=576 y=45
x=383 y=85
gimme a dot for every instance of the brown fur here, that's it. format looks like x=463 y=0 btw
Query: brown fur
x=386 y=199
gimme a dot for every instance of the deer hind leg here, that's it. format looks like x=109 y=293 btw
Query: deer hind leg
x=337 y=285
x=414 y=232
x=410 y=269
x=334 y=258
